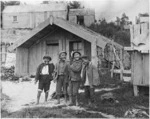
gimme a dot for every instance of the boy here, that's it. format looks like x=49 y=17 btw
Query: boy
x=90 y=78
x=44 y=76
x=75 y=78
x=61 y=79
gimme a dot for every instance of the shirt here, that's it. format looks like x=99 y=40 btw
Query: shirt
x=61 y=67
x=45 y=70
x=86 y=80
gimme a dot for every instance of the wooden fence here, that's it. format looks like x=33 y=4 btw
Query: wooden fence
x=3 y=52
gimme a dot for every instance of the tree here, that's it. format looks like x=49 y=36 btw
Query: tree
x=123 y=38
x=111 y=30
x=74 y=5
x=118 y=20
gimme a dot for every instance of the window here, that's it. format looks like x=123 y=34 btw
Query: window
x=80 y=20
x=76 y=46
x=14 y=18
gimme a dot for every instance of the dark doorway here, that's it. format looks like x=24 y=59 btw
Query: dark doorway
x=80 y=20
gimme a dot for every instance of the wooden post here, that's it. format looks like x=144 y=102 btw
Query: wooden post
x=131 y=35
x=45 y=47
x=112 y=69
x=120 y=62
x=83 y=48
x=121 y=65
x=60 y=45
x=94 y=53
x=67 y=48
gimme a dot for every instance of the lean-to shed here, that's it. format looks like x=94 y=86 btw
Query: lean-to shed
x=52 y=36
x=140 y=55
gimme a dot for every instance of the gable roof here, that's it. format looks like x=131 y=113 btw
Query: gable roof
x=35 y=8
x=47 y=27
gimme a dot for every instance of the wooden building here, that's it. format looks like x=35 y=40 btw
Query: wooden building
x=30 y=16
x=52 y=36
x=140 y=55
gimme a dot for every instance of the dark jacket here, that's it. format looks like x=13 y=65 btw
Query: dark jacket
x=66 y=71
x=75 y=70
x=39 y=69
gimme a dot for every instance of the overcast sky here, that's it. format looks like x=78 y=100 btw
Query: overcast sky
x=109 y=9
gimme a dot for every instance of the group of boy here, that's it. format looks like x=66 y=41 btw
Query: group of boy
x=69 y=77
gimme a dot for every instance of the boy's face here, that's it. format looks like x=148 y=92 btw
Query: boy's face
x=85 y=61
x=76 y=56
x=46 y=61
x=63 y=56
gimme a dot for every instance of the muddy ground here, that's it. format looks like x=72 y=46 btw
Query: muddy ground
x=22 y=96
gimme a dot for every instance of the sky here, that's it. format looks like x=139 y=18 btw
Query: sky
x=109 y=9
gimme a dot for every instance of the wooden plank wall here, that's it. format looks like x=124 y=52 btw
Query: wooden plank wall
x=140 y=70
x=21 y=61
x=36 y=53
x=145 y=69
x=87 y=48
x=137 y=73
x=140 y=61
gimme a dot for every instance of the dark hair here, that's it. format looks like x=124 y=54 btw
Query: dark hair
x=75 y=52
x=47 y=57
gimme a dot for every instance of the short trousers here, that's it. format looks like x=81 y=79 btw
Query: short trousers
x=73 y=88
x=44 y=84
x=61 y=85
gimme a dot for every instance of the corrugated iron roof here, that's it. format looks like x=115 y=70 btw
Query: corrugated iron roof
x=35 y=8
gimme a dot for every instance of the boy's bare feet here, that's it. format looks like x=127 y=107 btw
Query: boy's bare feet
x=58 y=102
x=70 y=104
x=77 y=103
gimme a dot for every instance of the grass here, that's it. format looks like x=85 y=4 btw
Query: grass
x=126 y=101
x=45 y=112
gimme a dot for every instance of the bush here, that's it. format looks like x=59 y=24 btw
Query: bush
x=8 y=74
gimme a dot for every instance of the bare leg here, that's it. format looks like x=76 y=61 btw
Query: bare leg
x=65 y=98
x=38 y=97
x=58 y=99
x=70 y=100
x=77 y=100
x=46 y=96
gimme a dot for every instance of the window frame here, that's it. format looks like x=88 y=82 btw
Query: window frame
x=15 y=19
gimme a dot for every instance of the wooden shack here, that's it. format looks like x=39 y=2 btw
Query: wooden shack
x=140 y=55
x=51 y=37
x=30 y=16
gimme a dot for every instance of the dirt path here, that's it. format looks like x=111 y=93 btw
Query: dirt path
x=22 y=93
